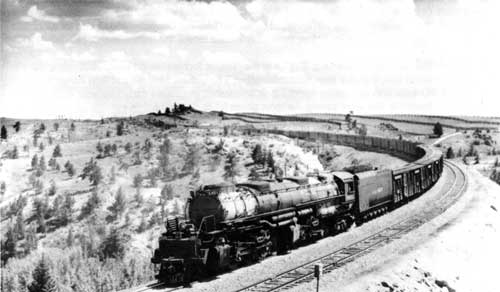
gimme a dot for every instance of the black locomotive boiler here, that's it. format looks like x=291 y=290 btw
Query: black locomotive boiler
x=230 y=224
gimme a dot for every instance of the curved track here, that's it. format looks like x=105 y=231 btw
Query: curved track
x=452 y=190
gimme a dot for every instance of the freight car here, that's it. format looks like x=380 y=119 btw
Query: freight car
x=231 y=224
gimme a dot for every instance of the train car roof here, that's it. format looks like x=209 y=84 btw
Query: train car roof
x=343 y=175
x=431 y=155
x=370 y=173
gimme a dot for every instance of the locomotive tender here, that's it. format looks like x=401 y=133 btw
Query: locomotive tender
x=228 y=224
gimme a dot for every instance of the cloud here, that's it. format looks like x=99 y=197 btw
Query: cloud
x=90 y=33
x=36 y=42
x=174 y=19
x=35 y=14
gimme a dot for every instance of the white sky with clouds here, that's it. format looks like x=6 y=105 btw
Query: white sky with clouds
x=119 y=58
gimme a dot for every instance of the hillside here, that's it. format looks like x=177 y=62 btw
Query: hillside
x=94 y=208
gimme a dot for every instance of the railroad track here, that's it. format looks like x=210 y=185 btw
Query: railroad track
x=153 y=287
x=338 y=258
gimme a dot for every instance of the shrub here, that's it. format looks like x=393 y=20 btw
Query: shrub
x=438 y=129
x=449 y=153
x=113 y=246
x=138 y=180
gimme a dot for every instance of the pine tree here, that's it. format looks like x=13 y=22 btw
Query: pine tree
x=34 y=162
x=253 y=174
x=493 y=174
x=17 y=126
x=128 y=147
x=92 y=203
x=99 y=149
x=449 y=153
x=64 y=209
x=3 y=134
x=93 y=172
x=438 y=129
x=163 y=159
x=107 y=150
x=52 y=189
x=147 y=145
x=52 y=162
x=41 y=164
x=231 y=167
x=497 y=163
x=56 y=126
x=138 y=197
x=257 y=154
x=167 y=193
x=119 y=128
x=3 y=188
x=137 y=158
x=57 y=151
x=138 y=181
x=31 y=239
x=72 y=127
x=14 y=154
x=70 y=238
x=39 y=185
x=192 y=159
x=42 y=226
x=142 y=225
x=113 y=246
x=41 y=207
x=70 y=169
x=19 y=227
x=8 y=249
x=41 y=147
x=118 y=206
x=152 y=174
x=42 y=280
x=219 y=147
x=112 y=175
x=270 y=160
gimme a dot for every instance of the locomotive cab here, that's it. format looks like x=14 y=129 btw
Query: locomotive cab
x=345 y=184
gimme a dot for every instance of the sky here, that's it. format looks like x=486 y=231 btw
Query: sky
x=100 y=58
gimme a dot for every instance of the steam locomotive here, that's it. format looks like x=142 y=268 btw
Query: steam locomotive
x=231 y=224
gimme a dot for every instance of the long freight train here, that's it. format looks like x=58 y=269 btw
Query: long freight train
x=230 y=224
